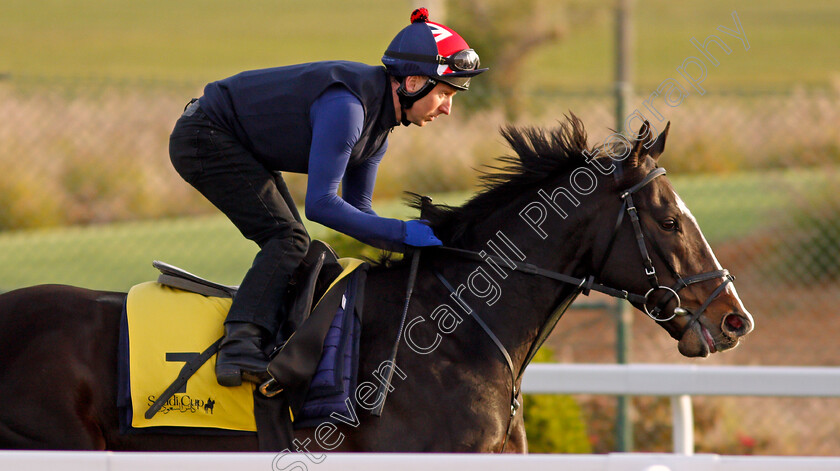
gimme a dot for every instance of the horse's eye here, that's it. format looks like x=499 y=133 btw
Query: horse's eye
x=668 y=224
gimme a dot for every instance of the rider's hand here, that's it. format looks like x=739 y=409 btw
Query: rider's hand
x=418 y=234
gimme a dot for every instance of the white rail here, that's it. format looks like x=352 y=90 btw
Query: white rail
x=680 y=382
x=677 y=381
x=110 y=461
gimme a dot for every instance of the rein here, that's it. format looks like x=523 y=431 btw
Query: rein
x=587 y=284
x=542 y=335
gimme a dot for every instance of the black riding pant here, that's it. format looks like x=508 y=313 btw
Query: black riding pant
x=256 y=200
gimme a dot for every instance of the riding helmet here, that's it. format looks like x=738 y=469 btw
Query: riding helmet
x=429 y=49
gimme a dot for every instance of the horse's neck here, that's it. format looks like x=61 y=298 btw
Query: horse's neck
x=558 y=242
x=524 y=301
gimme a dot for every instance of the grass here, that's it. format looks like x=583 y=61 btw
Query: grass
x=784 y=49
x=119 y=255
x=187 y=40
x=790 y=43
x=116 y=256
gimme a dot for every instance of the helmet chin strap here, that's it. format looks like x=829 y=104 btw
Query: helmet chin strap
x=407 y=99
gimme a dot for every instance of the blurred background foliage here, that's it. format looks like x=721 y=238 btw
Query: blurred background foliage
x=90 y=89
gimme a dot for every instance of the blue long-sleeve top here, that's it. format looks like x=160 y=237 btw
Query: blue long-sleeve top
x=337 y=119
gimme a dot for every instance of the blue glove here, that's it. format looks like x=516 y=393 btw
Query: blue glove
x=418 y=234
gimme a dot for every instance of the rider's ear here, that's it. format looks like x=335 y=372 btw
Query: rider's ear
x=413 y=83
x=658 y=146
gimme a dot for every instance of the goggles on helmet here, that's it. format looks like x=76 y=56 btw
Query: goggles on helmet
x=462 y=61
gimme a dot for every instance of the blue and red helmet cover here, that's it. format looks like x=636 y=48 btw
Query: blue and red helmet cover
x=430 y=39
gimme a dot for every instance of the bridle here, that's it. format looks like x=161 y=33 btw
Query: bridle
x=587 y=284
x=671 y=292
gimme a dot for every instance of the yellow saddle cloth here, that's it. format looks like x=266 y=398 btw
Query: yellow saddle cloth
x=167 y=327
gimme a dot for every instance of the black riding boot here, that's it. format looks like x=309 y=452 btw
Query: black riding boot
x=241 y=356
x=257 y=310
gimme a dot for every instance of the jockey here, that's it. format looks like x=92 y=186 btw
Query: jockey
x=330 y=120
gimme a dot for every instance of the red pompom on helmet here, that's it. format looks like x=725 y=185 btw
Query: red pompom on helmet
x=420 y=15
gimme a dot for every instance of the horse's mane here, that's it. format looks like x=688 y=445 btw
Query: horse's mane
x=540 y=154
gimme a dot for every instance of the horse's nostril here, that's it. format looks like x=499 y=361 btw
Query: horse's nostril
x=735 y=324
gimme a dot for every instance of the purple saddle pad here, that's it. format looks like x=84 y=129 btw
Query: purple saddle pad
x=332 y=386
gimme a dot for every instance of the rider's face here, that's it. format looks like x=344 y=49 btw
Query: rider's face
x=436 y=103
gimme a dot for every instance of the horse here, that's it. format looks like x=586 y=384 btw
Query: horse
x=554 y=220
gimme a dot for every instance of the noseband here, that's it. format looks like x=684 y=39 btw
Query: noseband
x=671 y=292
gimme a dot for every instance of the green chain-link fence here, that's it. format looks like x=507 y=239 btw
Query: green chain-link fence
x=88 y=197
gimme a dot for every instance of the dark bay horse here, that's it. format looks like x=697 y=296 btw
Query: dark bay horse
x=554 y=220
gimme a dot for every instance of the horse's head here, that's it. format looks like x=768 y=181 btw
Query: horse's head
x=633 y=235
x=658 y=250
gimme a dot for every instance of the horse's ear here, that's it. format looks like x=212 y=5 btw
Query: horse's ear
x=658 y=146
x=640 y=146
x=645 y=145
